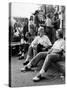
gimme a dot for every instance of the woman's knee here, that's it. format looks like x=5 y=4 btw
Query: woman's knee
x=42 y=54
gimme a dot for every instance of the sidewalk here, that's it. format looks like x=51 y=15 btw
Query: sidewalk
x=21 y=79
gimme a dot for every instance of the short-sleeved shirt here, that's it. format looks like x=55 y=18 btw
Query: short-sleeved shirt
x=44 y=40
x=58 y=45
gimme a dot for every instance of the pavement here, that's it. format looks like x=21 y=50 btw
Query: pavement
x=24 y=79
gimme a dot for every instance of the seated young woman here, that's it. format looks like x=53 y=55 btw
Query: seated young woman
x=41 y=40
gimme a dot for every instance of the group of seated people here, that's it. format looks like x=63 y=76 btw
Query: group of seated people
x=41 y=48
x=35 y=42
x=31 y=33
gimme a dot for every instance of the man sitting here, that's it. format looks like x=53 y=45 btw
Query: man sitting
x=53 y=55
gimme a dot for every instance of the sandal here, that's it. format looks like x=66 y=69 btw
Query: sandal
x=25 y=69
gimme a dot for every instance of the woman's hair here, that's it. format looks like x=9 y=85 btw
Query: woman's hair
x=60 y=33
x=31 y=17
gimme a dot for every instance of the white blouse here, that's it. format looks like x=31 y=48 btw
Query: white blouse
x=44 y=40
x=59 y=45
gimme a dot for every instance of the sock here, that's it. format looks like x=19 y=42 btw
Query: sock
x=27 y=59
x=22 y=54
x=29 y=65
x=42 y=71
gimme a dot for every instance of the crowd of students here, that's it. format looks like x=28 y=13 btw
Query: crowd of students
x=42 y=40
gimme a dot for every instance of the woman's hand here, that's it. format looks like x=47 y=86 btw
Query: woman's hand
x=35 y=47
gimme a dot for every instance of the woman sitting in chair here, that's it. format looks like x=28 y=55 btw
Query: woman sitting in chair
x=40 y=41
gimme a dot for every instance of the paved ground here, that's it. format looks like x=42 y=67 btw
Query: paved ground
x=20 y=79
